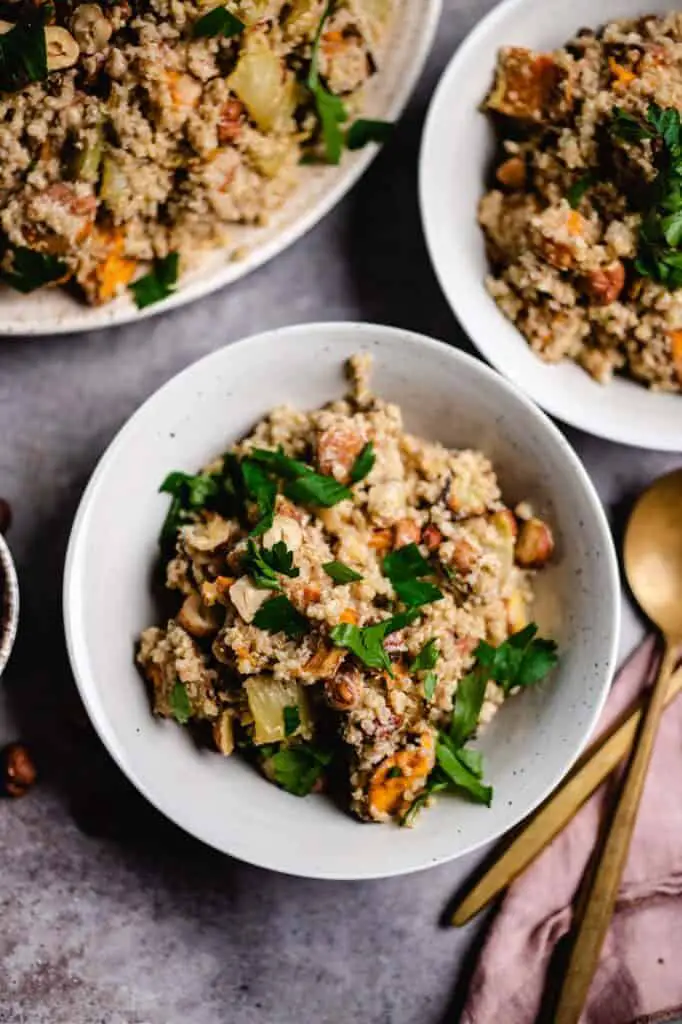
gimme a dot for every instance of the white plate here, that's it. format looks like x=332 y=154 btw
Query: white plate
x=457 y=150
x=52 y=311
x=445 y=395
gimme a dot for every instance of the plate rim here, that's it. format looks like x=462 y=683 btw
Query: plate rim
x=634 y=435
x=282 y=240
x=74 y=643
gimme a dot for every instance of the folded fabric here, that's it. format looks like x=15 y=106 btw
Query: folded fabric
x=639 y=977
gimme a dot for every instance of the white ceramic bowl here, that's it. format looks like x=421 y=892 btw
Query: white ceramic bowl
x=457 y=149
x=445 y=395
x=53 y=311
x=9 y=603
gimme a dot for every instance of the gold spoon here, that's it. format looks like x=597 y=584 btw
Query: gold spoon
x=653 y=566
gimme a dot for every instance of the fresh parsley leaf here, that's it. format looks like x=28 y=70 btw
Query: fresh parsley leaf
x=179 y=704
x=625 y=126
x=189 y=493
x=298 y=768
x=218 y=22
x=469 y=698
x=23 y=51
x=330 y=109
x=367 y=642
x=158 y=284
x=363 y=131
x=304 y=485
x=578 y=189
x=292 y=719
x=671 y=226
x=427 y=657
x=363 y=464
x=263 y=490
x=430 y=684
x=278 y=615
x=394 y=772
x=29 y=269
x=341 y=573
x=666 y=123
x=403 y=567
x=471 y=759
x=461 y=775
x=521 y=660
x=263 y=564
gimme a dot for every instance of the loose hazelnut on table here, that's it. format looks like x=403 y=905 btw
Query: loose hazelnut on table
x=18 y=771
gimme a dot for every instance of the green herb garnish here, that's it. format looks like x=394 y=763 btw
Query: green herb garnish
x=427 y=657
x=31 y=270
x=341 y=573
x=158 y=284
x=264 y=564
x=367 y=642
x=659 y=254
x=404 y=567
x=578 y=189
x=363 y=131
x=23 y=51
x=292 y=719
x=460 y=774
x=298 y=768
x=363 y=464
x=189 y=493
x=278 y=615
x=394 y=772
x=303 y=485
x=218 y=22
x=521 y=660
x=430 y=684
x=468 y=703
x=179 y=704
x=263 y=490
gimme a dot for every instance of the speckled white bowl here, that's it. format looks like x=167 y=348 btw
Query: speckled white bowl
x=457 y=150
x=9 y=603
x=445 y=395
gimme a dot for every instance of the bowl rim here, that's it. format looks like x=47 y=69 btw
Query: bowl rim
x=9 y=606
x=75 y=641
x=628 y=433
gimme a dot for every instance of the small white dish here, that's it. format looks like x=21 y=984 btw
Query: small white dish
x=444 y=395
x=53 y=311
x=9 y=603
x=457 y=150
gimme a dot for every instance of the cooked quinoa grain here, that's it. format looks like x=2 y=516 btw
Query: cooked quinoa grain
x=153 y=131
x=336 y=577
x=582 y=258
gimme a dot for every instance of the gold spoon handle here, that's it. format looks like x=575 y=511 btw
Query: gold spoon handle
x=546 y=823
x=603 y=889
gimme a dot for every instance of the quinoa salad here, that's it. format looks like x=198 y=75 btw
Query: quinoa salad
x=135 y=133
x=583 y=226
x=353 y=604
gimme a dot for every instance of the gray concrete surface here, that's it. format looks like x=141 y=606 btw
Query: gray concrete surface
x=109 y=914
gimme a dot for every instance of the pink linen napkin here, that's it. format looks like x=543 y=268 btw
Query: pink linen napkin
x=639 y=977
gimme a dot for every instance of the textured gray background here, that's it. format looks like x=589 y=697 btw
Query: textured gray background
x=107 y=912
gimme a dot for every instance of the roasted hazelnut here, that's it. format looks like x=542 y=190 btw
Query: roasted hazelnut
x=19 y=771
x=432 y=537
x=344 y=691
x=406 y=532
x=535 y=544
x=605 y=284
x=512 y=173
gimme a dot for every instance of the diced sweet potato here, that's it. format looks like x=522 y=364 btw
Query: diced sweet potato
x=525 y=84
x=113 y=272
x=676 y=349
x=399 y=774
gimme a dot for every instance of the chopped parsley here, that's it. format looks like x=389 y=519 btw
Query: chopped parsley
x=218 y=22
x=278 y=615
x=578 y=189
x=430 y=684
x=159 y=283
x=298 y=768
x=468 y=703
x=29 y=269
x=363 y=131
x=292 y=719
x=23 y=50
x=302 y=484
x=331 y=110
x=264 y=564
x=427 y=657
x=363 y=464
x=521 y=660
x=457 y=770
x=179 y=704
x=367 y=642
x=261 y=489
x=341 y=573
x=189 y=493
x=394 y=772
x=404 y=568
x=659 y=253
